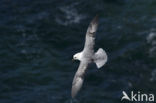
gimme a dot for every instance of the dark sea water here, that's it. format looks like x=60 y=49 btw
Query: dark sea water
x=39 y=37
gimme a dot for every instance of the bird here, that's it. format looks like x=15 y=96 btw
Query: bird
x=87 y=56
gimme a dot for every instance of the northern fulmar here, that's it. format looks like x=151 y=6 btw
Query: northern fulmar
x=87 y=56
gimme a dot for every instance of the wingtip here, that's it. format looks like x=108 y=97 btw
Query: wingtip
x=95 y=19
x=73 y=94
x=97 y=16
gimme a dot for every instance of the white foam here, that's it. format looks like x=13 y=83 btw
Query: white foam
x=153 y=75
x=151 y=36
x=151 y=39
x=70 y=15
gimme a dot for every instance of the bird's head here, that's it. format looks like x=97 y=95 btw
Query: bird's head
x=77 y=56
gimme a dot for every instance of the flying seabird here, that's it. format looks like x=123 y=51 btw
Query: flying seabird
x=87 y=56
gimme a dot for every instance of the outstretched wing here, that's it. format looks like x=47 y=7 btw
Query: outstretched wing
x=78 y=78
x=90 y=35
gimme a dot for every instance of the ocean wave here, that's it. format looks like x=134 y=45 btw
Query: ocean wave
x=151 y=39
x=68 y=15
x=153 y=75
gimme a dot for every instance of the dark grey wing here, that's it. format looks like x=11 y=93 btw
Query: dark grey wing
x=90 y=35
x=78 y=78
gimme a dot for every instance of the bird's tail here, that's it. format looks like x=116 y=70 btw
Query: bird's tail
x=100 y=58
